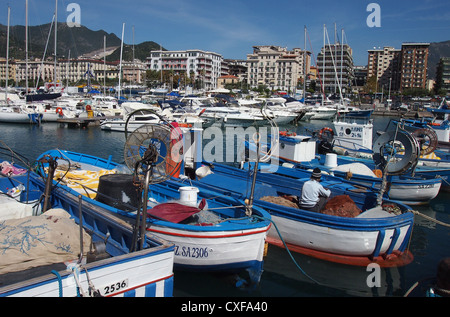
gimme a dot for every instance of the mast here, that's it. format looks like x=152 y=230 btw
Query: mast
x=67 y=70
x=304 y=67
x=104 y=65
x=26 y=46
x=7 y=56
x=120 y=67
x=56 y=33
x=323 y=64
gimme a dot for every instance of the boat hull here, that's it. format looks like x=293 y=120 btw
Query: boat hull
x=147 y=272
x=233 y=244
x=371 y=235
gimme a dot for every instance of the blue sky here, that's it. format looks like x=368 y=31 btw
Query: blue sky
x=232 y=27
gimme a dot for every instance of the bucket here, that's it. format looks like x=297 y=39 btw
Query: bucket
x=331 y=160
x=203 y=171
x=188 y=195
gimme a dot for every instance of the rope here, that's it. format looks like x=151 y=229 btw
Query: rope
x=415 y=212
x=289 y=252
x=444 y=180
x=59 y=282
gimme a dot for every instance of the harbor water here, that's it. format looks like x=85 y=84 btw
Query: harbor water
x=284 y=275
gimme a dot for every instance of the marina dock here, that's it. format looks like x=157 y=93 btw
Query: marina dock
x=83 y=122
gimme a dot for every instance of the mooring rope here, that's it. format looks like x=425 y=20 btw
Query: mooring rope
x=415 y=212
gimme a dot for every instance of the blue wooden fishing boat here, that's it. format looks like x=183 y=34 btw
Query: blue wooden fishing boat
x=55 y=244
x=405 y=188
x=211 y=232
x=375 y=235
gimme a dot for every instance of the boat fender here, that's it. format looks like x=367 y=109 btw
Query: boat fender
x=378 y=173
x=287 y=133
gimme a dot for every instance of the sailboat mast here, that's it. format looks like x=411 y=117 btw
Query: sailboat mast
x=120 y=67
x=104 y=65
x=7 y=56
x=323 y=64
x=56 y=33
x=26 y=46
x=304 y=67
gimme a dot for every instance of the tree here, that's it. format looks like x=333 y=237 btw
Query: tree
x=371 y=85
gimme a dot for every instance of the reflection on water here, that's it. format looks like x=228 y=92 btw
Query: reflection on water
x=429 y=243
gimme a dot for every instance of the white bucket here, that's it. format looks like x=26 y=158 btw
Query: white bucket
x=203 y=172
x=188 y=195
x=331 y=160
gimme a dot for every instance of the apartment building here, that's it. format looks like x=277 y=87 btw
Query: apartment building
x=202 y=65
x=414 y=65
x=276 y=67
x=399 y=69
x=67 y=71
x=11 y=70
x=443 y=74
x=335 y=66
x=385 y=65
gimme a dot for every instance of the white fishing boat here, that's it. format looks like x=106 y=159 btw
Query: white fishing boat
x=61 y=246
x=210 y=232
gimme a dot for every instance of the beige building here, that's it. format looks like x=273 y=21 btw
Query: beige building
x=227 y=79
x=384 y=64
x=399 y=69
x=276 y=67
x=11 y=71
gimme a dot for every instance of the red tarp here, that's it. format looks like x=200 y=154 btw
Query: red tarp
x=172 y=212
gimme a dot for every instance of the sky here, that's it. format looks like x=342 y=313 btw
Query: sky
x=232 y=27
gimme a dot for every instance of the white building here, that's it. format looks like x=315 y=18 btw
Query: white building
x=203 y=66
x=276 y=67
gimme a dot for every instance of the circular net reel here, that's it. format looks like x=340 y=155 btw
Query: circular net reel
x=396 y=152
x=428 y=140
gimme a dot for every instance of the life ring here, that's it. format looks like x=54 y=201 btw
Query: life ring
x=326 y=130
x=88 y=107
x=59 y=111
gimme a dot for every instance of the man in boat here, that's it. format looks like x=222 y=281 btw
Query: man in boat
x=314 y=195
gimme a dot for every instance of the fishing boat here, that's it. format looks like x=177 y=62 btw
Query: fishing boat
x=299 y=152
x=57 y=245
x=375 y=235
x=213 y=234
x=353 y=143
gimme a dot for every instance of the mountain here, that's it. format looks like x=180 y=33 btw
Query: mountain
x=141 y=51
x=436 y=51
x=79 y=40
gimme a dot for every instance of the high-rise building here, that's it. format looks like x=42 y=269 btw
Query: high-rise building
x=443 y=75
x=204 y=66
x=335 y=67
x=399 y=69
x=414 y=65
x=385 y=64
x=276 y=67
